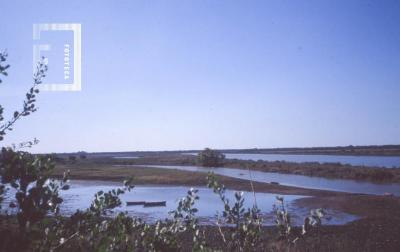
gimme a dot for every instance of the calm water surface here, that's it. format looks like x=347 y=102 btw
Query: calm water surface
x=369 y=161
x=344 y=185
x=81 y=193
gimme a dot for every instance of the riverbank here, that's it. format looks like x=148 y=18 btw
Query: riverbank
x=313 y=169
x=377 y=230
x=366 y=206
x=159 y=176
x=371 y=234
x=368 y=150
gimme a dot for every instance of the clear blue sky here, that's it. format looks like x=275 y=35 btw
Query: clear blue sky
x=164 y=75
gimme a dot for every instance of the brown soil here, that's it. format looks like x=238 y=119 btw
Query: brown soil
x=150 y=175
x=378 y=229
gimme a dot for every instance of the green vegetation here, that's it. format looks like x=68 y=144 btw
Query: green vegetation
x=36 y=193
x=327 y=170
x=314 y=169
x=87 y=170
x=94 y=229
x=210 y=158
x=370 y=150
x=38 y=225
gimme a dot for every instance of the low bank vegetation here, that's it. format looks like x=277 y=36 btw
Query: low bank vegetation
x=31 y=219
x=315 y=169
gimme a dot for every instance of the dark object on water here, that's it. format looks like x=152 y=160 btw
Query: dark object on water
x=135 y=203
x=146 y=204
x=274 y=183
x=155 y=204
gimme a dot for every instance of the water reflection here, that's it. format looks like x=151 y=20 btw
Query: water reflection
x=344 y=185
x=369 y=161
x=81 y=193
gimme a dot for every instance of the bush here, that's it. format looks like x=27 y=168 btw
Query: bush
x=93 y=229
x=82 y=155
x=36 y=193
x=210 y=158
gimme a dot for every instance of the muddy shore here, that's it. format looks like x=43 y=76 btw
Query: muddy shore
x=357 y=204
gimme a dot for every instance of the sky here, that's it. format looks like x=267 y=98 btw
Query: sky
x=176 y=75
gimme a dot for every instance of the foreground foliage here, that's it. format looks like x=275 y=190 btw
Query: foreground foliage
x=33 y=194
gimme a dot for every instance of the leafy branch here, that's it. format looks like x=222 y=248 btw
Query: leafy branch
x=3 y=68
x=29 y=102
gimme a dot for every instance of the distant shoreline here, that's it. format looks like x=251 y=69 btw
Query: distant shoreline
x=313 y=169
x=362 y=205
x=361 y=150
x=158 y=176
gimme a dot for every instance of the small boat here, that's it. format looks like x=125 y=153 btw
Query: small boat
x=155 y=204
x=388 y=194
x=274 y=183
x=135 y=203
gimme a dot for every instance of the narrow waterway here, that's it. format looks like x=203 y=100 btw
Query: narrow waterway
x=343 y=185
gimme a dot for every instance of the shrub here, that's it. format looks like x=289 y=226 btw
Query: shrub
x=36 y=193
x=247 y=223
x=94 y=229
x=82 y=155
x=210 y=158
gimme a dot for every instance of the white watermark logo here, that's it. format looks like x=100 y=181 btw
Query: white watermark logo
x=62 y=49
